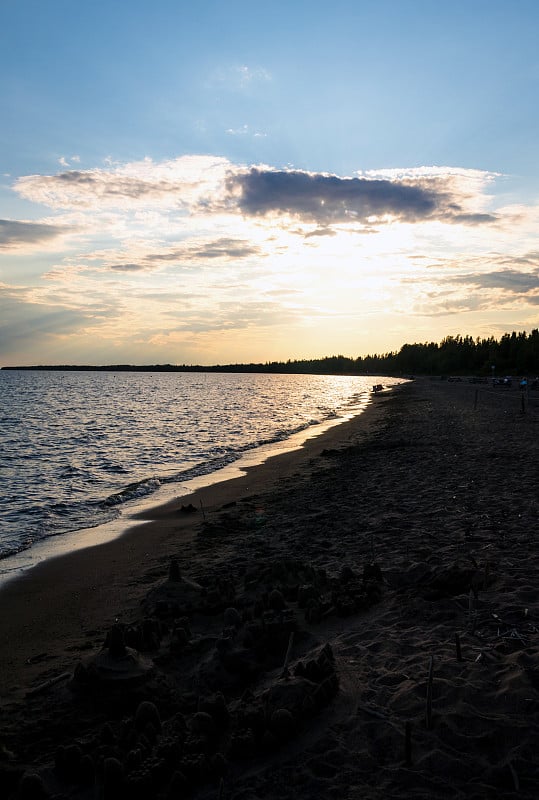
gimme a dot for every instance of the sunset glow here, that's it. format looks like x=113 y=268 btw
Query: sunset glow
x=214 y=221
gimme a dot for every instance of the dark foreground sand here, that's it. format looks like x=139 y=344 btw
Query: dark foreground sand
x=358 y=619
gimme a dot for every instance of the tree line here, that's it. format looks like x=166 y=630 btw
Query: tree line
x=514 y=353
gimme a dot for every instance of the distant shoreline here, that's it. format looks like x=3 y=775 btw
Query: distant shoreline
x=254 y=368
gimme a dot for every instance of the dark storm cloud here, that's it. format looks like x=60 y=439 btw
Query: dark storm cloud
x=327 y=199
x=14 y=234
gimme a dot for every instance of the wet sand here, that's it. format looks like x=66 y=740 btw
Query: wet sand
x=358 y=618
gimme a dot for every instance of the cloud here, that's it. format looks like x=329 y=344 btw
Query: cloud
x=326 y=199
x=125 y=267
x=223 y=250
x=16 y=235
x=320 y=232
x=238 y=77
x=244 y=130
x=235 y=315
x=23 y=323
x=510 y=280
x=66 y=162
x=181 y=183
x=202 y=186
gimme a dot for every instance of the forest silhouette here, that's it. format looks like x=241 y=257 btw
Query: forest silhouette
x=514 y=353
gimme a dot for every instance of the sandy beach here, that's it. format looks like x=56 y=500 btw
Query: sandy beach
x=355 y=619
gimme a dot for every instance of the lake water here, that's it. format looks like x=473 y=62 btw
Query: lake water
x=78 y=447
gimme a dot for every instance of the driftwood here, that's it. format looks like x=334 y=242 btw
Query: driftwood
x=47 y=684
x=285 y=673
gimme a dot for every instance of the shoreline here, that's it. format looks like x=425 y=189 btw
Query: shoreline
x=94 y=584
x=14 y=565
x=399 y=549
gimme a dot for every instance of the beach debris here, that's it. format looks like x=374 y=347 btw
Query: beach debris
x=188 y=509
x=42 y=687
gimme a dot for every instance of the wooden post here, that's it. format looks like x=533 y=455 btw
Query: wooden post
x=285 y=673
x=428 y=703
x=457 y=647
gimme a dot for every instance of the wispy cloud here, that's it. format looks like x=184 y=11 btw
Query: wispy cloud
x=66 y=162
x=510 y=280
x=18 y=235
x=141 y=257
x=181 y=183
x=21 y=321
x=245 y=130
x=238 y=77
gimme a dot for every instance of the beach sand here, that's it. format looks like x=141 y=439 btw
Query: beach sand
x=355 y=619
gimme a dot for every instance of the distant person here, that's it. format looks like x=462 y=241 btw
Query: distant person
x=523 y=383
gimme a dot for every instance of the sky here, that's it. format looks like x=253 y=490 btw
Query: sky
x=225 y=182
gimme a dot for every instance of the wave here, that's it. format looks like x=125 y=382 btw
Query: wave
x=75 y=486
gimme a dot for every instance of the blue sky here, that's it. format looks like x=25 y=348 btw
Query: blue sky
x=222 y=181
